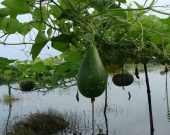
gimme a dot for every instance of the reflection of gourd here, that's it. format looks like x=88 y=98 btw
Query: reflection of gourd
x=123 y=79
x=91 y=75
x=27 y=85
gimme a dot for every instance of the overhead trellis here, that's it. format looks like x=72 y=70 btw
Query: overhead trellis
x=118 y=32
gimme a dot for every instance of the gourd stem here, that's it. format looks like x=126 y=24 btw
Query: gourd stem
x=122 y=69
x=122 y=75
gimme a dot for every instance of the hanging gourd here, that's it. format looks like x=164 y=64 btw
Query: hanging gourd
x=123 y=79
x=26 y=86
x=91 y=78
x=137 y=72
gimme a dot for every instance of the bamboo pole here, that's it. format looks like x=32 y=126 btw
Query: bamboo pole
x=149 y=100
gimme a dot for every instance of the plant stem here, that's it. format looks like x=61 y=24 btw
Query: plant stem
x=105 y=106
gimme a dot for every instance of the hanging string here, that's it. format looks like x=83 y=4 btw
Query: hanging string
x=93 y=117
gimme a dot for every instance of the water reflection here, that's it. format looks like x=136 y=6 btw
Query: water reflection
x=8 y=118
x=167 y=101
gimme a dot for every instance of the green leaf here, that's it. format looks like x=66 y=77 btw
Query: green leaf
x=39 y=26
x=72 y=73
x=139 y=6
x=49 y=61
x=66 y=14
x=41 y=86
x=12 y=26
x=62 y=38
x=8 y=73
x=63 y=4
x=49 y=32
x=20 y=5
x=40 y=14
x=100 y=4
x=47 y=78
x=25 y=29
x=73 y=57
x=156 y=39
x=40 y=42
x=166 y=21
x=60 y=46
x=55 y=11
x=119 y=14
x=38 y=67
x=3 y=23
x=5 y=61
x=54 y=85
x=61 y=69
x=122 y=1
x=4 y=12
x=7 y=11
x=61 y=42
x=168 y=48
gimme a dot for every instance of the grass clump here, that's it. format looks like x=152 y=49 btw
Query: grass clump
x=50 y=122
x=39 y=123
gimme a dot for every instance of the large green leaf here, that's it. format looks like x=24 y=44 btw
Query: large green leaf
x=4 y=12
x=7 y=11
x=61 y=42
x=12 y=26
x=3 y=23
x=73 y=57
x=63 y=4
x=40 y=42
x=156 y=39
x=25 y=29
x=166 y=22
x=62 y=69
x=38 y=67
x=49 y=32
x=119 y=14
x=140 y=6
x=60 y=46
x=64 y=38
x=20 y=5
x=5 y=61
x=40 y=14
x=39 y=26
x=55 y=11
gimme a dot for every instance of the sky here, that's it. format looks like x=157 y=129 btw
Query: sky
x=21 y=52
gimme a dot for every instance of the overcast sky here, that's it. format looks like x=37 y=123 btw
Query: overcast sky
x=22 y=52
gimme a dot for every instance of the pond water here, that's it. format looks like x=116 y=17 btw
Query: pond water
x=124 y=116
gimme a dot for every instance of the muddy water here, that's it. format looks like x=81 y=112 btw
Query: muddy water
x=124 y=116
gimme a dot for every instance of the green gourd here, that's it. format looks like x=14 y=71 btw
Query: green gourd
x=123 y=79
x=91 y=78
x=26 y=86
